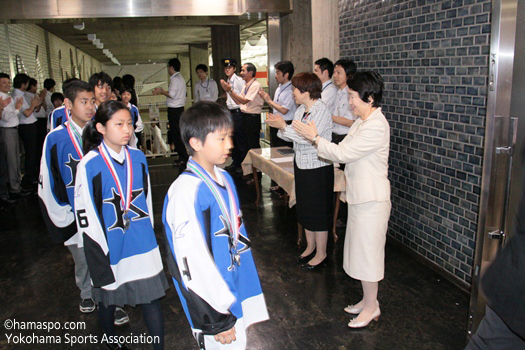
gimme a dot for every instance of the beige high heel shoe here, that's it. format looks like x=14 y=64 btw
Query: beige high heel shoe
x=352 y=309
x=375 y=316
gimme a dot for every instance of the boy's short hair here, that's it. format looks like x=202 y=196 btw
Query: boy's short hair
x=49 y=84
x=74 y=88
x=202 y=67
x=101 y=77
x=19 y=80
x=4 y=75
x=57 y=96
x=175 y=63
x=201 y=119
x=32 y=82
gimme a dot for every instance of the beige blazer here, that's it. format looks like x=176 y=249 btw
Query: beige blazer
x=365 y=152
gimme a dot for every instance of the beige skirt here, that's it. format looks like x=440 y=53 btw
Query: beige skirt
x=364 y=252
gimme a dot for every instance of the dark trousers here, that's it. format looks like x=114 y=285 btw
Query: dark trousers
x=493 y=333
x=174 y=115
x=252 y=131
x=276 y=141
x=41 y=124
x=239 y=139
x=29 y=135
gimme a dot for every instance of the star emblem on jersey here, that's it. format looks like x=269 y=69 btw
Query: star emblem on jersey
x=235 y=252
x=72 y=165
x=115 y=201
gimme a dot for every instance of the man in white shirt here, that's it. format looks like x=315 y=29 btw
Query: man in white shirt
x=251 y=106
x=206 y=88
x=49 y=86
x=342 y=116
x=237 y=84
x=283 y=103
x=175 y=101
x=27 y=130
x=9 y=142
x=324 y=68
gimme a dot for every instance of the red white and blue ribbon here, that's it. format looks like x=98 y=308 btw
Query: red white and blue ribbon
x=75 y=137
x=125 y=200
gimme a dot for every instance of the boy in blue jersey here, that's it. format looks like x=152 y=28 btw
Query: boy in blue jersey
x=210 y=254
x=61 y=113
x=61 y=153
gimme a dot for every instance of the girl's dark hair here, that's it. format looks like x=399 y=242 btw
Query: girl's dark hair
x=308 y=82
x=91 y=138
x=201 y=119
x=367 y=84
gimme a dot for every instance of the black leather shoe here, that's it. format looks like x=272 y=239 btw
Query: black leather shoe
x=308 y=267
x=305 y=259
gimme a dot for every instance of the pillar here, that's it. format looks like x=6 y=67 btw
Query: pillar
x=225 y=42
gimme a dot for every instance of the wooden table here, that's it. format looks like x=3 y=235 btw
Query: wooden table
x=280 y=169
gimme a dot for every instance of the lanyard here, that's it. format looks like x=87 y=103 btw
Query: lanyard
x=125 y=201
x=231 y=217
x=281 y=91
x=330 y=83
x=248 y=86
x=206 y=87
x=75 y=138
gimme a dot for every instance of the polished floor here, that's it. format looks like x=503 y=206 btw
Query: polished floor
x=420 y=310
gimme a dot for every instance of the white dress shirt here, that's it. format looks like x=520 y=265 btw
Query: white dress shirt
x=41 y=113
x=206 y=91
x=329 y=95
x=177 y=91
x=284 y=98
x=49 y=104
x=17 y=93
x=9 y=114
x=237 y=84
x=342 y=109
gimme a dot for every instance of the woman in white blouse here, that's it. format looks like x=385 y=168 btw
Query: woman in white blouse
x=314 y=176
x=365 y=152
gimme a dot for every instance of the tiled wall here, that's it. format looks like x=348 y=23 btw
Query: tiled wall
x=24 y=39
x=433 y=56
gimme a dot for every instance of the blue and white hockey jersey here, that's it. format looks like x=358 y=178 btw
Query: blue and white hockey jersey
x=116 y=255
x=213 y=288
x=59 y=116
x=58 y=168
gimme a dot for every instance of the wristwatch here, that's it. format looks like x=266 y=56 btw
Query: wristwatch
x=315 y=139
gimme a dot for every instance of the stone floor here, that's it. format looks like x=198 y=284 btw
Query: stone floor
x=420 y=310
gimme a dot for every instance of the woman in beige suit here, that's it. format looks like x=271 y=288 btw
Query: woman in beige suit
x=365 y=152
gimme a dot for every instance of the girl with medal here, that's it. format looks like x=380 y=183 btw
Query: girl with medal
x=210 y=252
x=115 y=219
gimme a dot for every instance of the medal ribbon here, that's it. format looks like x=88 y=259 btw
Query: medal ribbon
x=231 y=217
x=75 y=138
x=125 y=201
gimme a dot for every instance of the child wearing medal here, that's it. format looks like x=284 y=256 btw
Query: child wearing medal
x=210 y=253
x=115 y=220
x=62 y=152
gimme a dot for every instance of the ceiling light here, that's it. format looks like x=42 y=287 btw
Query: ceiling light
x=92 y=37
x=100 y=46
x=96 y=42
x=80 y=26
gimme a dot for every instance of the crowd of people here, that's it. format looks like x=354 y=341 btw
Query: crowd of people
x=95 y=192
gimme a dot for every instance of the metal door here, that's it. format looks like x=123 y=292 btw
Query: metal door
x=504 y=137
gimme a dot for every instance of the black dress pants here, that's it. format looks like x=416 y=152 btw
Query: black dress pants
x=174 y=115
x=29 y=135
x=252 y=132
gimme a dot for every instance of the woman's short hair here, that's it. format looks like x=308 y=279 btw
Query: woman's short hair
x=308 y=82
x=367 y=84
